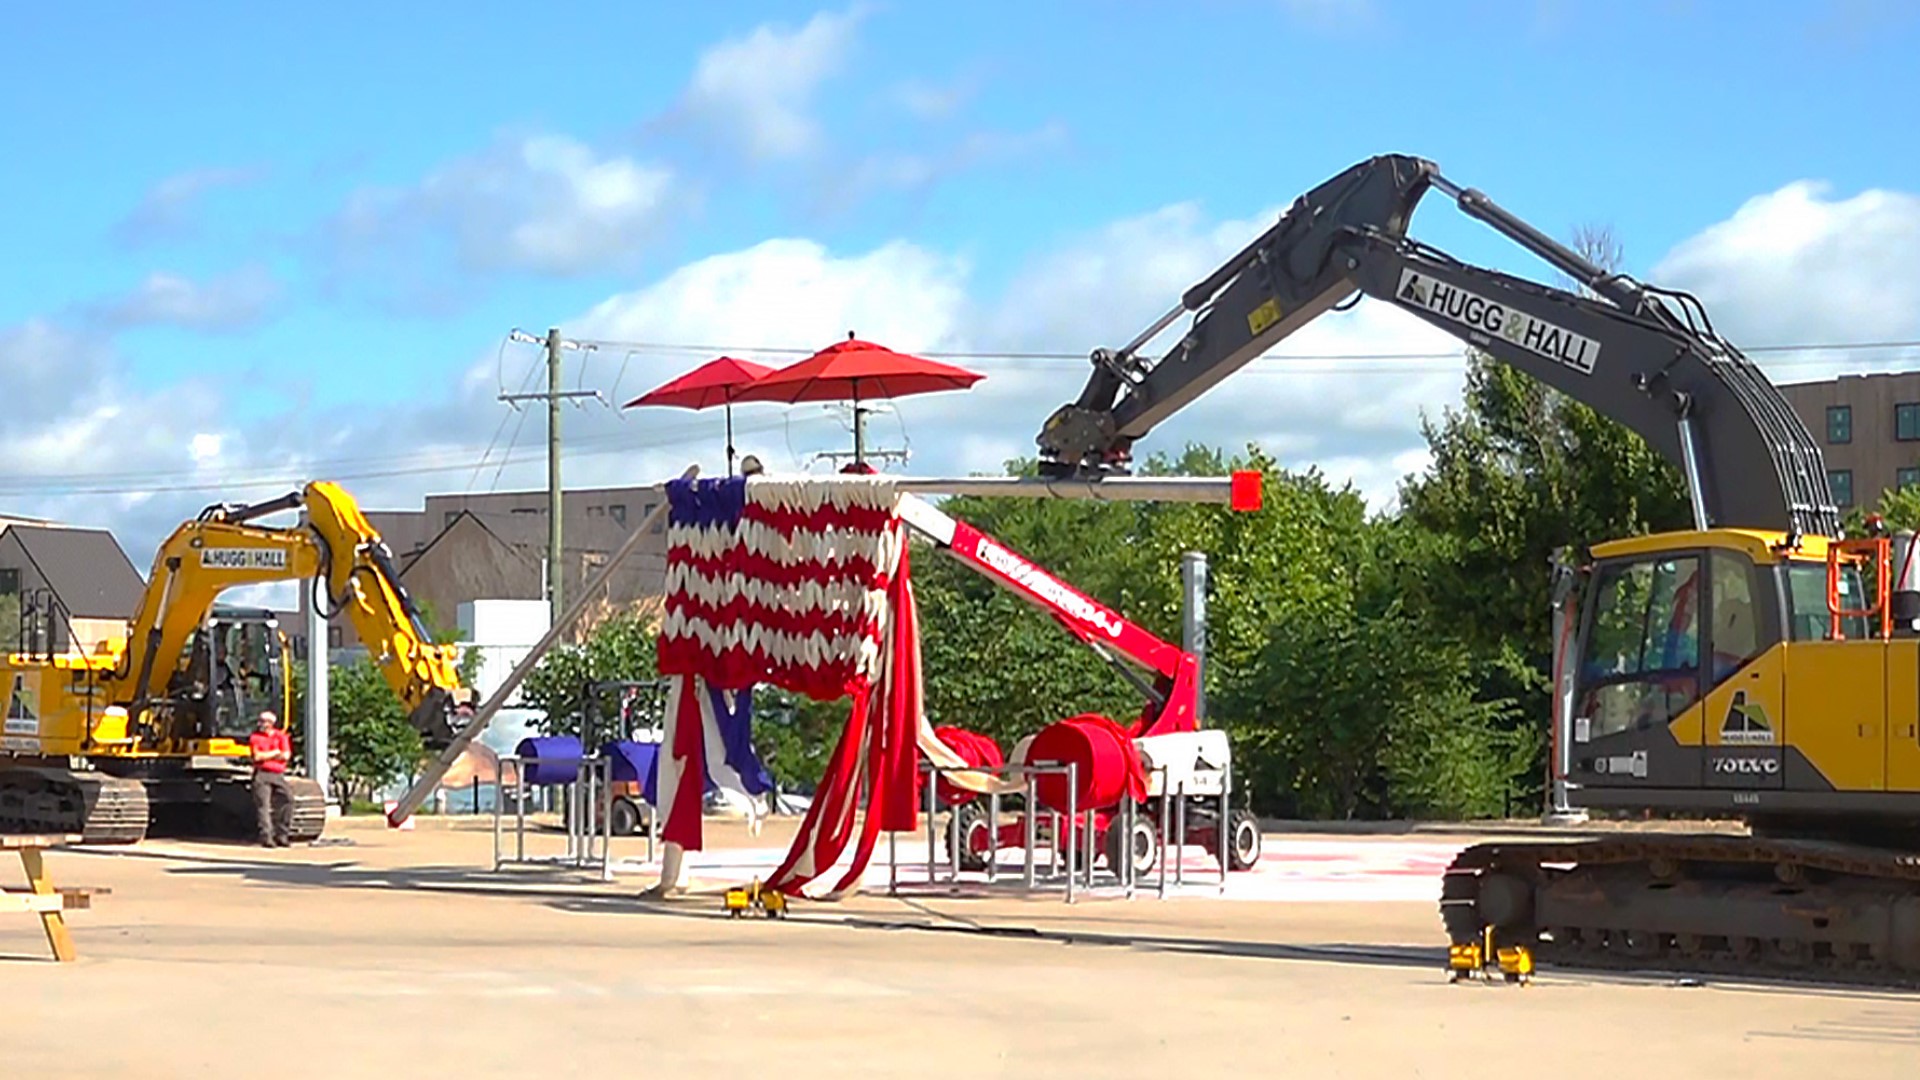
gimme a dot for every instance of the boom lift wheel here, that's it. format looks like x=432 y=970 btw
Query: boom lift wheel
x=1243 y=840
x=972 y=836
x=1143 y=844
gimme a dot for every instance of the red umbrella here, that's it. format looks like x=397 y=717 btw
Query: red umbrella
x=716 y=382
x=855 y=370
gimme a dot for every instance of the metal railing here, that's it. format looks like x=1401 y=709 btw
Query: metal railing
x=590 y=790
x=1079 y=829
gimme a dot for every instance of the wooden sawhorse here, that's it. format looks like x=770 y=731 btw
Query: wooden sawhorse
x=40 y=896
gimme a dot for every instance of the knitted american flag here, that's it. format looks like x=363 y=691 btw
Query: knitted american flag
x=778 y=581
x=799 y=584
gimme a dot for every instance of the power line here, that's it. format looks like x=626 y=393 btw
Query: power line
x=282 y=477
x=1014 y=355
x=350 y=468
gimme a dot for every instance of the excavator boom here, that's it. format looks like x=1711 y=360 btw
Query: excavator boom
x=1646 y=357
x=350 y=569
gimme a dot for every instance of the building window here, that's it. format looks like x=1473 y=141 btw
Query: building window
x=1839 y=423
x=452 y=516
x=618 y=512
x=1906 y=478
x=333 y=637
x=1841 y=481
x=596 y=511
x=1906 y=420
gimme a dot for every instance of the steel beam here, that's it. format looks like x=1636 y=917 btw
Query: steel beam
x=1208 y=489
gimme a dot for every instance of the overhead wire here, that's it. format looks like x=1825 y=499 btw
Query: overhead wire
x=500 y=380
x=1004 y=355
x=363 y=467
x=277 y=477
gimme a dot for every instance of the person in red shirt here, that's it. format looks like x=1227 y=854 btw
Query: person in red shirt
x=272 y=801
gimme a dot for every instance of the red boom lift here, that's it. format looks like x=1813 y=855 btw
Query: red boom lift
x=1196 y=763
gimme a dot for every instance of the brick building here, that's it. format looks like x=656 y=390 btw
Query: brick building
x=493 y=546
x=1868 y=427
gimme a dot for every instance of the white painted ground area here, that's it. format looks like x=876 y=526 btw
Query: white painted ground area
x=1290 y=870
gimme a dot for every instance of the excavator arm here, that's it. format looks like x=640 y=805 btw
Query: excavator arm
x=350 y=568
x=1646 y=357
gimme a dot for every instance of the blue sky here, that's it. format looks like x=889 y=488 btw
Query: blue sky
x=249 y=245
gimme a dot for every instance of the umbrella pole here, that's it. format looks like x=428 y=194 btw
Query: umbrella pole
x=729 y=412
x=859 y=428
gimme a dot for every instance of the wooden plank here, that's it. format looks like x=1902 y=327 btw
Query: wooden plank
x=26 y=903
x=23 y=841
x=63 y=898
x=53 y=922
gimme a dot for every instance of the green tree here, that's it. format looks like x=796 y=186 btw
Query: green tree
x=794 y=735
x=1519 y=472
x=1898 y=508
x=622 y=647
x=371 y=743
x=998 y=665
x=1369 y=716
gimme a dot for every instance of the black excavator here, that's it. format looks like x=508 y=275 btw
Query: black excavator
x=1759 y=666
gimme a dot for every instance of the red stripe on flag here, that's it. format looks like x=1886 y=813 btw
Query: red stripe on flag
x=687 y=746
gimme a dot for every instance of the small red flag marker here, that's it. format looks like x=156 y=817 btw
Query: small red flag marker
x=1246 y=490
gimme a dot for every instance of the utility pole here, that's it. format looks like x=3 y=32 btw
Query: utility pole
x=319 y=661
x=861 y=455
x=555 y=496
x=1193 y=625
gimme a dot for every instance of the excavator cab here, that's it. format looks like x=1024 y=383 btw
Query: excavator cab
x=237 y=665
x=250 y=670
x=1683 y=661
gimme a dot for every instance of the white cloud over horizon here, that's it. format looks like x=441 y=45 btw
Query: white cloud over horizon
x=227 y=303
x=1799 y=266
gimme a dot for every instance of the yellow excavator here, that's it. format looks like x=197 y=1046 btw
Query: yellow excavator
x=154 y=728
x=1762 y=665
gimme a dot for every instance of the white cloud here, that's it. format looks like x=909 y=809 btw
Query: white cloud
x=170 y=210
x=230 y=302
x=757 y=91
x=935 y=101
x=794 y=293
x=917 y=172
x=543 y=203
x=1799 y=266
x=82 y=442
